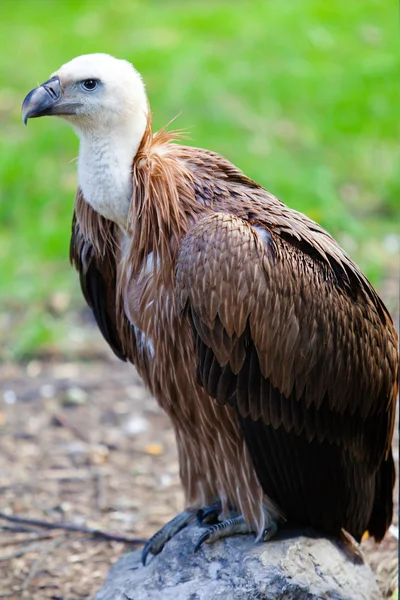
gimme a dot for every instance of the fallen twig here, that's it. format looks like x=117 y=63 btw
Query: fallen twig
x=34 y=547
x=17 y=529
x=61 y=419
x=36 y=534
x=71 y=527
x=39 y=562
x=99 y=490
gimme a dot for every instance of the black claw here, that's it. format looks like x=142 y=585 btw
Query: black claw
x=145 y=552
x=208 y=515
x=203 y=538
x=269 y=532
x=149 y=549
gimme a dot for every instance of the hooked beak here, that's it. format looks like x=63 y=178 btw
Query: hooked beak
x=46 y=100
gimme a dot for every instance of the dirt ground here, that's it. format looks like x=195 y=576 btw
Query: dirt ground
x=84 y=443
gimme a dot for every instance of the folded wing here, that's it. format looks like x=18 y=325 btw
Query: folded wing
x=307 y=357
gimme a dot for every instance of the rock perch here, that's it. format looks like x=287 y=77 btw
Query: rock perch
x=295 y=568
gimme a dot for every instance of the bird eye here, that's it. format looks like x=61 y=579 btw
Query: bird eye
x=89 y=84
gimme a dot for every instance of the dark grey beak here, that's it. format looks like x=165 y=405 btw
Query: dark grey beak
x=43 y=100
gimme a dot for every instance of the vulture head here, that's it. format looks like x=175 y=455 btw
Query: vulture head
x=94 y=92
x=105 y=101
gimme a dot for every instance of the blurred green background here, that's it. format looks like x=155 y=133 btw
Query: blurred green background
x=302 y=95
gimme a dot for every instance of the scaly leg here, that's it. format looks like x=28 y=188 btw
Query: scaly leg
x=233 y=526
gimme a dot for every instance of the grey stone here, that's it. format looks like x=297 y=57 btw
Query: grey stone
x=296 y=567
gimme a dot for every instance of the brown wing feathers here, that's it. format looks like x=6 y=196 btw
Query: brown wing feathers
x=292 y=362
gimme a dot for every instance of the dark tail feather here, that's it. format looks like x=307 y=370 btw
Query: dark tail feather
x=382 y=511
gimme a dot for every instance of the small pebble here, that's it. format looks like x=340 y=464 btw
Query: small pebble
x=9 y=396
x=135 y=425
x=75 y=395
x=47 y=390
x=34 y=368
x=165 y=479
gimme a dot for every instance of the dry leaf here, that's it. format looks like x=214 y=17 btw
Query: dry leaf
x=154 y=449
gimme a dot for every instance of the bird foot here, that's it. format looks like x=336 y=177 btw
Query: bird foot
x=222 y=529
x=234 y=526
x=210 y=517
x=157 y=542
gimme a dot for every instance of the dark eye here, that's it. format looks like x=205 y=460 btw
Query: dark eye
x=89 y=84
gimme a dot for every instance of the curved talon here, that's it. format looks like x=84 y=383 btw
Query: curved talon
x=269 y=532
x=146 y=551
x=208 y=514
x=153 y=545
x=203 y=538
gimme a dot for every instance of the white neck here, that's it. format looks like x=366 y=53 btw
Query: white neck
x=105 y=168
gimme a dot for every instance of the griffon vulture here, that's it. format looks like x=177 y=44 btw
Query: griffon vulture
x=272 y=354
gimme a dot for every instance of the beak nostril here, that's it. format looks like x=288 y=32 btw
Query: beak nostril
x=51 y=91
x=52 y=87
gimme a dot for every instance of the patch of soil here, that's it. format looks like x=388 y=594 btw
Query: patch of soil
x=85 y=443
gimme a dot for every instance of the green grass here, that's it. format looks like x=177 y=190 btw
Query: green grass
x=302 y=95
